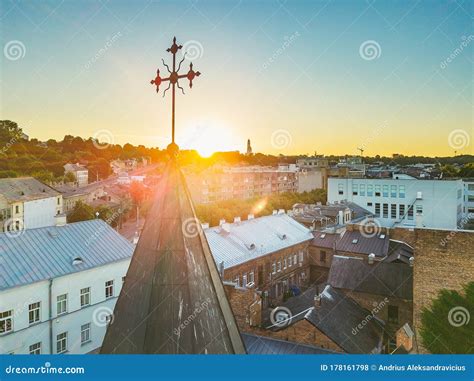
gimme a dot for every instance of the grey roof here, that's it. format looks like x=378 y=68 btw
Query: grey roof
x=263 y=345
x=380 y=278
x=25 y=189
x=240 y=242
x=365 y=244
x=48 y=252
x=337 y=317
x=173 y=300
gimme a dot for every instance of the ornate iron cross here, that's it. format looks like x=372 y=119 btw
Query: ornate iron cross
x=173 y=78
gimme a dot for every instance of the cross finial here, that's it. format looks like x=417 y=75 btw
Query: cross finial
x=173 y=79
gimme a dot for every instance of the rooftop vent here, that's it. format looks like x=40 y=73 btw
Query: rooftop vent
x=281 y=211
x=354 y=241
x=77 y=261
x=323 y=236
x=371 y=258
x=382 y=236
x=412 y=261
x=282 y=236
x=250 y=246
x=53 y=233
x=275 y=212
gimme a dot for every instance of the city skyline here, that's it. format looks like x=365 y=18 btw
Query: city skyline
x=294 y=78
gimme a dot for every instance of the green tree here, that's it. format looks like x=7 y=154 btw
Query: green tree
x=9 y=131
x=447 y=326
x=81 y=212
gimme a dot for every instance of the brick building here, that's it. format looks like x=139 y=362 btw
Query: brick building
x=268 y=254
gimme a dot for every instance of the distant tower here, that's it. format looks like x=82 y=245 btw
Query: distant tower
x=249 y=147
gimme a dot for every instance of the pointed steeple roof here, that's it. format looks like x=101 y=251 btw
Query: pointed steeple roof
x=173 y=300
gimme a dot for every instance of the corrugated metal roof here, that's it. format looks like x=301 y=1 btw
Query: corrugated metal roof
x=262 y=345
x=24 y=189
x=44 y=253
x=240 y=242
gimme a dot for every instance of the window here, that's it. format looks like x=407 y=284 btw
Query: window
x=362 y=189
x=393 y=314
x=401 y=211
x=274 y=268
x=370 y=190
x=470 y=187
x=85 y=333
x=393 y=211
x=340 y=188
x=295 y=259
x=59 y=201
x=385 y=190
x=17 y=209
x=6 y=321
x=244 y=280
x=34 y=312
x=301 y=256
x=85 y=296
x=61 y=304
x=355 y=190
x=290 y=261
x=419 y=210
x=35 y=349
x=393 y=191
x=109 y=289
x=61 y=342
x=251 y=277
x=410 y=212
x=237 y=281
x=322 y=256
x=279 y=266
x=377 y=209
x=284 y=264
x=401 y=191
x=377 y=190
x=369 y=204
x=470 y=198
x=385 y=211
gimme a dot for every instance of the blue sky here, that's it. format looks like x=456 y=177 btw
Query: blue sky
x=288 y=69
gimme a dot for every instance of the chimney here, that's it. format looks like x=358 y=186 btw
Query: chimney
x=412 y=261
x=221 y=269
x=371 y=258
x=60 y=219
x=222 y=222
x=236 y=220
x=275 y=212
x=205 y=225
x=341 y=217
x=250 y=217
x=317 y=300
x=281 y=211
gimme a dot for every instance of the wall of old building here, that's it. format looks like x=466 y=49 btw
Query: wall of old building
x=443 y=260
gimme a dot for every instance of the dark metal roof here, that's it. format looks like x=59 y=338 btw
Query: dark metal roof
x=337 y=317
x=380 y=278
x=399 y=252
x=173 y=300
x=327 y=240
x=365 y=244
x=262 y=345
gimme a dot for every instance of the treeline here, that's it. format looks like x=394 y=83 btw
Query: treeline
x=259 y=206
x=45 y=160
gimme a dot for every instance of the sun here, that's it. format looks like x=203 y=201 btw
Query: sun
x=209 y=138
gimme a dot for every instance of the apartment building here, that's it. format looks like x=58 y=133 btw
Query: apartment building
x=228 y=183
x=59 y=286
x=468 y=208
x=435 y=204
x=26 y=203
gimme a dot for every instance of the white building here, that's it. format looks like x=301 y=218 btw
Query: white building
x=58 y=287
x=433 y=204
x=468 y=208
x=80 y=172
x=26 y=203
